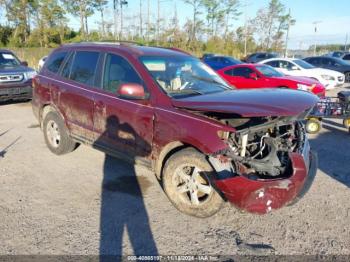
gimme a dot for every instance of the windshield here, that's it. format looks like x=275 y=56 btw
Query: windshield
x=303 y=64
x=8 y=60
x=341 y=61
x=181 y=76
x=268 y=71
x=234 y=61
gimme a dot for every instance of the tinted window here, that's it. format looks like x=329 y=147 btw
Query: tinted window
x=286 y=65
x=273 y=63
x=83 y=67
x=314 y=61
x=346 y=57
x=242 y=71
x=261 y=56
x=329 y=62
x=67 y=66
x=268 y=71
x=55 y=61
x=303 y=64
x=118 y=71
x=229 y=72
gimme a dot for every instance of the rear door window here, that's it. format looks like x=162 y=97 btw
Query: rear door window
x=84 y=67
x=55 y=61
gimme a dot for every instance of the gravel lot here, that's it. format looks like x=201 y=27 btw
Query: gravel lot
x=56 y=204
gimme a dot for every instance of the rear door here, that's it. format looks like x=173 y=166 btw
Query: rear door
x=76 y=93
x=122 y=126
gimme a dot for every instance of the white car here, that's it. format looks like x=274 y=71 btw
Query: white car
x=297 y=67
x=41 y=62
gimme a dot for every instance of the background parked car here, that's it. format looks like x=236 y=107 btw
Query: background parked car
x=262 y=76
x=207 y=55
x=15 y=77
x=332 y=63
x=218 y=62
x=337 y=54
x=41 y=62
x=257 y=57
x=296 y=67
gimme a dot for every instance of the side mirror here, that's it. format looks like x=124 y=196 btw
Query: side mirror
x=132 y=91
x=253 y=76
x=24 y=63
x=294 y=68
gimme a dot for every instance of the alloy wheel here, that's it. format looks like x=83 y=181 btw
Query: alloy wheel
x=192 y=185
x=53 y=133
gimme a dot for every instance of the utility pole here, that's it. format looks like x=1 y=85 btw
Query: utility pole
x=158 y=21
x=148 y=20
x=141 y=18
x=287 y=35
x=115 y=18
x=346 y=42
x=315 y=23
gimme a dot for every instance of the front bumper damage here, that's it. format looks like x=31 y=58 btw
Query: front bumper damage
x=262 y=195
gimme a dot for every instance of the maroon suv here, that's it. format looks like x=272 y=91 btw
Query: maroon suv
x=163 y=108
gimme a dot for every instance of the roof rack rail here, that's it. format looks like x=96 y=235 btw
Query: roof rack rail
x=108 y=41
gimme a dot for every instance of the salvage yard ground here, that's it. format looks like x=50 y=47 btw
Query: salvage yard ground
x=56 y=205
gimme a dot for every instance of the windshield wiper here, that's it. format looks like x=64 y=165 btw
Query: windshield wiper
x=210 y=81
x=185 y=92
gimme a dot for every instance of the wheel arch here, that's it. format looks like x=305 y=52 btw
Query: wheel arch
x=47 y=108
x=166 y=152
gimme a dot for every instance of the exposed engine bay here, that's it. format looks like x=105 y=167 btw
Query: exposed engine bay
x=261 y=146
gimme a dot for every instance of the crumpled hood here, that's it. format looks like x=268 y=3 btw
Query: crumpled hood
x=251 y=102
x=15 y=69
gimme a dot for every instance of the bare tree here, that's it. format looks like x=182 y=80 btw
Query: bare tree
x=196 y=6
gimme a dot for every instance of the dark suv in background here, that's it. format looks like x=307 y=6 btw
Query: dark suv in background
x=257 y=57
x=165 y=109
x=15 y=77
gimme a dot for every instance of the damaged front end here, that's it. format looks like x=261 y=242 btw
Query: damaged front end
x=266 y=163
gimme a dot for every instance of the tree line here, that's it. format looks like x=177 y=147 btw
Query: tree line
x=212 y=27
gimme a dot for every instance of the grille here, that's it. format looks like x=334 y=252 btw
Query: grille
x=11 y=78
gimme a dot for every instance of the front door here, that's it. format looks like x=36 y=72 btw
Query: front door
x=122 y=126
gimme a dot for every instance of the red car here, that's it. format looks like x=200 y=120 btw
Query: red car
x=165 y=109
x=262 y=76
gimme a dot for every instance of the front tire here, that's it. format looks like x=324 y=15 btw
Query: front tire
x=186 y=183
x=56 y=135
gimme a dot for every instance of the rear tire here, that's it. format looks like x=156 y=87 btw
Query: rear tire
x=56 y=135
x=187 y=184
x=313 y=126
